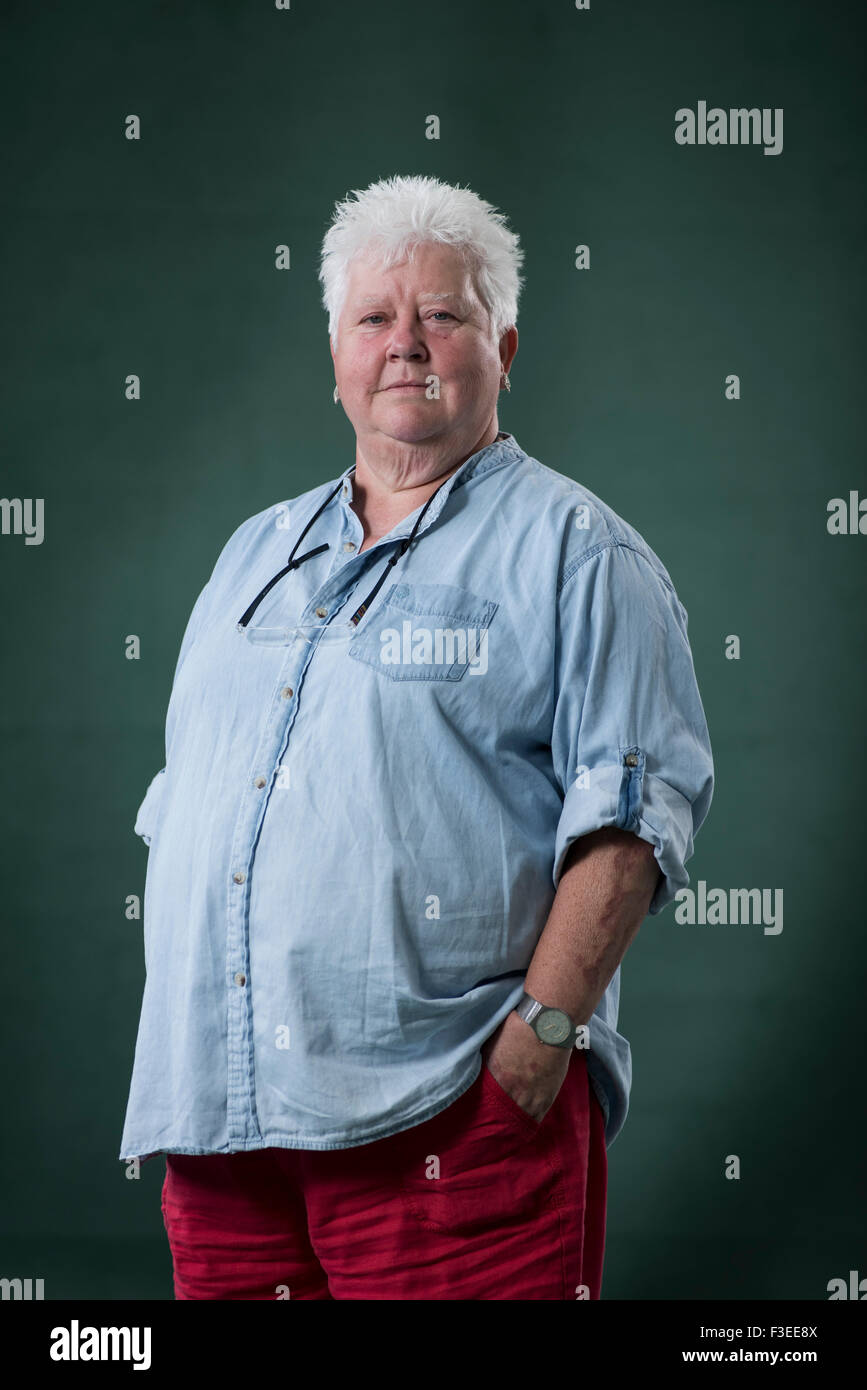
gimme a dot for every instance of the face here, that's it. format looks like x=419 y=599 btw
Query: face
x=419 y=319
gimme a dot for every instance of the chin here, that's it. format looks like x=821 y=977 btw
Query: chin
x=410 y=436
x=414 y=420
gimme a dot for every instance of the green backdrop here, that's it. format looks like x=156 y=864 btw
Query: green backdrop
x=157 y=257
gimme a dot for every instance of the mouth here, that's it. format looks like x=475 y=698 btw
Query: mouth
x=407 y=386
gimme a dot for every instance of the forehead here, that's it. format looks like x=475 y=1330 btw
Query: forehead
x=439 y=271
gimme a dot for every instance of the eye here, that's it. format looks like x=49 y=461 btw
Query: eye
x=444 y=313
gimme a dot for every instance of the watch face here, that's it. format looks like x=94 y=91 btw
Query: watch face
x=553 y=1026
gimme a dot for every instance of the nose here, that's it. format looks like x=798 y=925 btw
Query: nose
x=406 y=342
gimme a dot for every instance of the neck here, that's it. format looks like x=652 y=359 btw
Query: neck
x=392 y=479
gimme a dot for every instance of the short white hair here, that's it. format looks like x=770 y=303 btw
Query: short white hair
x=388 y=219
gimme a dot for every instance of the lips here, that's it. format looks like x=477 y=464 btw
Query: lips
x=407 y=386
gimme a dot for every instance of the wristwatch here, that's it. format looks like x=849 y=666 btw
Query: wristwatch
x=551 y=1026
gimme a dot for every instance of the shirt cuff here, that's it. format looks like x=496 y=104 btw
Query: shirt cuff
x=627 y=797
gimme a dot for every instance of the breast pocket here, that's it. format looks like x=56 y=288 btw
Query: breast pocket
x=426 y=632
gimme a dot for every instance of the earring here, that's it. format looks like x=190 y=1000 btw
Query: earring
x=505 y=381
x=336 y=395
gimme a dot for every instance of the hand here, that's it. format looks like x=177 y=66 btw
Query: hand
x=530 y=1071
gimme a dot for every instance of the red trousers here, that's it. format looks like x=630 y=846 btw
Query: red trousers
x=480 y=1202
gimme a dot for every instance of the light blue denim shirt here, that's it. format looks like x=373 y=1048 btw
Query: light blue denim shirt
x=358 y=833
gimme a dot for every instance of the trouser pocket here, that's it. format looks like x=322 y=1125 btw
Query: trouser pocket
x=479 y=1165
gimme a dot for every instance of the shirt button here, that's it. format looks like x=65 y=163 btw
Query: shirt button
x=239 y=877
x=322 y=612
x=631 y=760
x=286 y=692
x=259 y=782
x=349 y=545
x=240 y=979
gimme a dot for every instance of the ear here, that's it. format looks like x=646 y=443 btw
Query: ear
x=508 y=347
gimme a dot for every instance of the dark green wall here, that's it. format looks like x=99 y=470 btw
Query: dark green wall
x=156 y=257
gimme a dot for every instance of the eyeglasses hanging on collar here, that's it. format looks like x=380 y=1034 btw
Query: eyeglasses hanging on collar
x=293 y=563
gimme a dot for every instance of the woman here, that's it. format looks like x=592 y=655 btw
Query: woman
x=434 y=749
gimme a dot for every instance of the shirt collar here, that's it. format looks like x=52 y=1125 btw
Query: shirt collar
x=502 y=450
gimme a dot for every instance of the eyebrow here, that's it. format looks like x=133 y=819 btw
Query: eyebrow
x=431 y=294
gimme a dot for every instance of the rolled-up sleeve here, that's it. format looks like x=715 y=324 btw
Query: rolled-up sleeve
x=630 y=742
